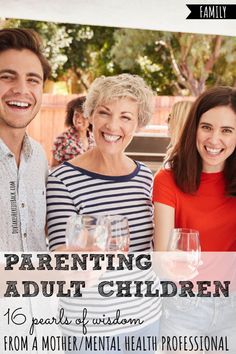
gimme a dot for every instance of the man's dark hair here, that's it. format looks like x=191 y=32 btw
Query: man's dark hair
x=21 y=38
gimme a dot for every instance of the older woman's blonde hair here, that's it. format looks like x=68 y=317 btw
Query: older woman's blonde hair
x=106 y=89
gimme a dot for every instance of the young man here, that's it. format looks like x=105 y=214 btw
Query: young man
x=23 y=165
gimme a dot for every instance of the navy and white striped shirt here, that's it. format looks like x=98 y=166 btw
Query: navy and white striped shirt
x=73 y=190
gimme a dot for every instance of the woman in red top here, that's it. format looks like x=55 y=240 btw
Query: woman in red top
x=198 y=189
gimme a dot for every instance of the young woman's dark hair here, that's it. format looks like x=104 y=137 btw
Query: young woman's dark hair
x=185 y=160
x=75 y=104
x=21 y=38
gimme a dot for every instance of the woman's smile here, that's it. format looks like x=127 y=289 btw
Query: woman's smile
x=114 y=124
x=216 y=137
x=110 y=138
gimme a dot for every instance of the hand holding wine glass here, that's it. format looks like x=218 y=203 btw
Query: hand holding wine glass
x=87 y=232
x=184 y=245
x=119 y=234
x=97 y=233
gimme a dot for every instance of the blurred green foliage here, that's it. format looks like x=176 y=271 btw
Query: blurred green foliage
x=172 y=63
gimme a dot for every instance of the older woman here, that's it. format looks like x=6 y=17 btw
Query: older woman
x=105 y=181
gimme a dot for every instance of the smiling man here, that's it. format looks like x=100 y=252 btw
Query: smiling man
x=23 y=165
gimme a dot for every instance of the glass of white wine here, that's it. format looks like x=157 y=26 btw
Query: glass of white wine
x=186 y=252
x=88 y=232
x=119 y=236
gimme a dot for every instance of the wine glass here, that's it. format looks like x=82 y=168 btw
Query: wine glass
x=88 y=232
x=185 y=245
x=119 y=233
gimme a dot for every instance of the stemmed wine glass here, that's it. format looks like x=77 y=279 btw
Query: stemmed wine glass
x=119 y=233
x=185 y=245
x=88 y=232
x=98 y=233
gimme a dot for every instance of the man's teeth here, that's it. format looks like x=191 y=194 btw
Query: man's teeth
x=213 y=151
x=18 y=104
x=111 y=138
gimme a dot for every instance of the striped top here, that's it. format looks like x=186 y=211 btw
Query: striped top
x=73 y=190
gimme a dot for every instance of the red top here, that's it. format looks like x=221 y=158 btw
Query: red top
x=208 y=210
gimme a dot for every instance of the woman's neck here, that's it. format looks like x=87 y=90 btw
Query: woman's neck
x=83 y=134
x=110 y=165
